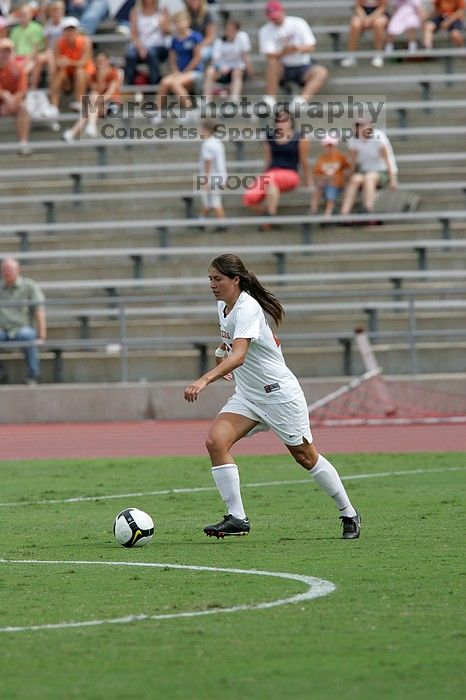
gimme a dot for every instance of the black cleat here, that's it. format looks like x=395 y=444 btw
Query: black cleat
x=228 y=527
x=351 y=526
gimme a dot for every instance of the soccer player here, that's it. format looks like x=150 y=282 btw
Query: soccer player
x=267 y=395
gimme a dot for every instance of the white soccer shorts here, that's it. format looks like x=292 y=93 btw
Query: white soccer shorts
x=288 y=420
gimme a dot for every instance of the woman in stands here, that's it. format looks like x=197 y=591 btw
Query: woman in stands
x=374 y=163
x=267 y=395
x=285 y=153
x=372 y=15
x=202 y=20
x=150 y=28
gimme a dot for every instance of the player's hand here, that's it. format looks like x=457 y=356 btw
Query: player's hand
x=193 y=390
x=228 y=377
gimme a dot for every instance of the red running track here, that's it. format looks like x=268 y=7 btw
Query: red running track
x=156 y=438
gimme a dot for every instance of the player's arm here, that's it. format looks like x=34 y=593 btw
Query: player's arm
x=234 y=360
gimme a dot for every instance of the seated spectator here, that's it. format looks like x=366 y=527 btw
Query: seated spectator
x=287 y=43
x=28 y=39
x=372 y=15
x=230 y=61
x=329 y=176
x=202 y=20
x=13 y=89
x=25 y=321
x=150 y=28
x=186 y=69
x=407 y=18
x=374 y=163
x=53 y=30
x=449 y=16
x=95 y=11
x=285 y=152
x=73 y=57
x=104 y=96
x=212 y=163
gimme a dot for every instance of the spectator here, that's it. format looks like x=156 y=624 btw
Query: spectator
x=329 y=176
x=13 y=88
x=185 y=64
x=202 y=20
x=285 y=152
x=374 y=163
x=25 y=321
x=407 y=18
x=95 y=11
x=447 y=15
x=149 y=29
x=230 y=61
x=28 y=39
x=105 y=94
x=212 y=164
x=73 y=57
x=368 y=14
x=287 y=43
x=53 y=30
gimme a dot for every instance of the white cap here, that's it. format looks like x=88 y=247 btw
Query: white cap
x=70 y=22
x=329 y=140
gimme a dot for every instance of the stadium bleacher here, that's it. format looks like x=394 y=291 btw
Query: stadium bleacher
x=94 y=194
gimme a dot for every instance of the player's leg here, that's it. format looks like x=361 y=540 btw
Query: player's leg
x=290 y=422
x=227 y=429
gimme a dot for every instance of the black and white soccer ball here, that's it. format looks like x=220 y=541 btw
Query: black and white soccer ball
x=133 y=528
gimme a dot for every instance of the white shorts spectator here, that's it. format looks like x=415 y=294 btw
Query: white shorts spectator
x=289 y=420
x=211 y=200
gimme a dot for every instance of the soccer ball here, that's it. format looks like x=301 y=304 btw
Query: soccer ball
x=133 y=528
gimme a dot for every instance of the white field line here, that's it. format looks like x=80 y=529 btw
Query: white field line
x=203 y=489
x=316 y=588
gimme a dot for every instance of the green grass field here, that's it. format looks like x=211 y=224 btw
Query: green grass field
x=393 y=628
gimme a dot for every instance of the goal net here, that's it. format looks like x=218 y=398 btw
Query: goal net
x=372 y=400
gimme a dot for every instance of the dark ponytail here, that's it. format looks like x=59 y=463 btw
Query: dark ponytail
x=232 y=266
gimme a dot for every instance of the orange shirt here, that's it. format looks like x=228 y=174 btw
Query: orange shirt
x=102 y=83
x=448 y=7
x=13 y=78
x=332 y=167
x=74 y=51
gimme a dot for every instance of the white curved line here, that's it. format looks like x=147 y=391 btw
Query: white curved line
x=316 y=588
x=202 y=489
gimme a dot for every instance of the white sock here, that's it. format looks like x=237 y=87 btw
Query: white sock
x=226 y=476
x=325 y=474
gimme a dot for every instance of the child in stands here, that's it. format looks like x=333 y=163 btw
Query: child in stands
x=186 y=69
x=447 y=15
x=329 y=176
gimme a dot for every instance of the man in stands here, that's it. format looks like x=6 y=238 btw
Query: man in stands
x=13 y=88
x=287 y=43
x=73 y=55
x=25 y=318
x=449 y=16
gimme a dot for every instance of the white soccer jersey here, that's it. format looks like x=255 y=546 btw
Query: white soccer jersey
x=264 y=376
